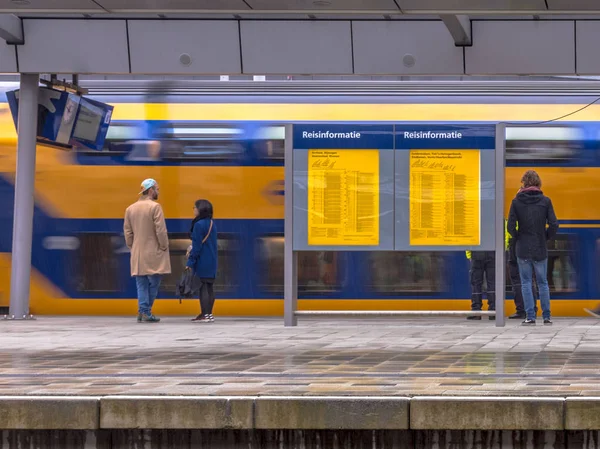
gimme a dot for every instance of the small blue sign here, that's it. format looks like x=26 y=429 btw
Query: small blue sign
x=379 y=137
x=414 y=137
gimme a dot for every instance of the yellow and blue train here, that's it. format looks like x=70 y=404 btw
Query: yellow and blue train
x=230 y=149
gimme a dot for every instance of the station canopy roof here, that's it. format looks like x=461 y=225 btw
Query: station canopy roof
x=301 y=38
x=391 y=9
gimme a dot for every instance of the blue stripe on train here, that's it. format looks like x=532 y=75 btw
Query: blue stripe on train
x=63 y=268
x=354 y=276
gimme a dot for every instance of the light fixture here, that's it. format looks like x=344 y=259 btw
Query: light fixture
x=408 y=60
x=21 y=2
x=185 y=59
x=322 y=2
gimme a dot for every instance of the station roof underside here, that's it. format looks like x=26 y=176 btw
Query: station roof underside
x=396 y=7
x=301 y=37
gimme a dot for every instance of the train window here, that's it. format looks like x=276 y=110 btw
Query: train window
x=124 y=131
x=269 y=142
x=98 y=267
x=140 y=150
x=562 y=271
x=119 y=137
x=270 y=256
x=317 y=270
x=200 y=141
x=598 y=262
x=228 y=248
x=395 y=272
x=552 y=143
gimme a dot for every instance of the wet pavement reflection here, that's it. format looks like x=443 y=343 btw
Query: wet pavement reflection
x=98 y=356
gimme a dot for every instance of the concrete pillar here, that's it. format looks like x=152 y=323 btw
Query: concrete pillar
x=24 y=202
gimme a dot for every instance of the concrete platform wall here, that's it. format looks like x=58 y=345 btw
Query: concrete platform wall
x=302 y=412
x=128 y=422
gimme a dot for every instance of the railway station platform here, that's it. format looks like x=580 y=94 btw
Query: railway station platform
x=395 y=383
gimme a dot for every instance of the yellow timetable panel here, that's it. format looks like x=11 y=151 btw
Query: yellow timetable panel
x=343 y=197
x=445 y=197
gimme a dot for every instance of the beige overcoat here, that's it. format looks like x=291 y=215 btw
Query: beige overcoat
x=146 y=235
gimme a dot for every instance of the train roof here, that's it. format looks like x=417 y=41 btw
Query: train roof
x=301 y=92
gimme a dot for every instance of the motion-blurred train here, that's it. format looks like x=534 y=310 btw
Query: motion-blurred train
x=225 y=142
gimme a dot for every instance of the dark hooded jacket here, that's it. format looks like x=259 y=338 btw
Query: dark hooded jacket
x=532 y=210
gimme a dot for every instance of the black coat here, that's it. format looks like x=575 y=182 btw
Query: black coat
x=530 y=211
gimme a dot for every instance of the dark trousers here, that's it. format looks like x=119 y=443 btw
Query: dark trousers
x=515 y=281
x=483 y=263
x=207 y=296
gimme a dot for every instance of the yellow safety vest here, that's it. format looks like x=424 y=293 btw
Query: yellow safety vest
x=507 y=238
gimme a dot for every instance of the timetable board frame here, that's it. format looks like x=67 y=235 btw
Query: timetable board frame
x=403 y=173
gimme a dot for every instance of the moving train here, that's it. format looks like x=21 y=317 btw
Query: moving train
x=225 y=142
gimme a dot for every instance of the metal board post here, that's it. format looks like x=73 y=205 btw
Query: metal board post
x=290 y=259
x=24 y=202
x=500 y=286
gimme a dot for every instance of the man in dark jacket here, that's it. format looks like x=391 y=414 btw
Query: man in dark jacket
x=532 y=210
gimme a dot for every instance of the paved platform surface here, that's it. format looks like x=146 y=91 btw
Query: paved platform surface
x=255 y=357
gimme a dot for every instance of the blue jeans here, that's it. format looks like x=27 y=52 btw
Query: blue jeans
x=147 y=290
x=526 y=267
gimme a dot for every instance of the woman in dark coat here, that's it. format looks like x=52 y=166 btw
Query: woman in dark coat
x=203 y=256
x=532 y=222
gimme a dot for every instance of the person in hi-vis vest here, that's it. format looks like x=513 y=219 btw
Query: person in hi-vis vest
x=484 y=263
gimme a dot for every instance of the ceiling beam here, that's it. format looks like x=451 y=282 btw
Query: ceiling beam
x=459 y=27
x=11 y=29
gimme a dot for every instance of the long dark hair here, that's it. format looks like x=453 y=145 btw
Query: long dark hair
x=205 y=210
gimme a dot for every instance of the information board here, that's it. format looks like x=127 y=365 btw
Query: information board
x=393 y=187
x=343 y=187
x=343 y=197
x=444 y=197
x=444 y=190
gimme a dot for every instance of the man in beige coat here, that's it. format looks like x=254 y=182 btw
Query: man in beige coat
x=146 y=235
